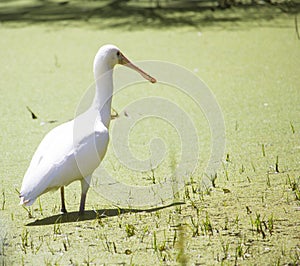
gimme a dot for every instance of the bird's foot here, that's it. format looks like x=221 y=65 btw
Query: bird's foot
x=81 y=211
x=63 y=210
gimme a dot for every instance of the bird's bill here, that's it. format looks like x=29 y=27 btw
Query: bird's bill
x=124 y=61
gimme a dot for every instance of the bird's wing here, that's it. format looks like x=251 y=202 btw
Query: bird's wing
x=54 y=146
x=67 y=153
x=46 y=163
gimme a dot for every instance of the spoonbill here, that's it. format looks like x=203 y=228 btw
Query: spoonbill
x=73 y=150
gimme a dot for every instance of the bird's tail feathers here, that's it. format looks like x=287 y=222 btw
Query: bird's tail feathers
x=26 y=202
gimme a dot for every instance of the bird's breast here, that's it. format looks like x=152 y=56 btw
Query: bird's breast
x=90 y=148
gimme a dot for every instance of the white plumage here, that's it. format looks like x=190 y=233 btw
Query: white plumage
x=73 y=150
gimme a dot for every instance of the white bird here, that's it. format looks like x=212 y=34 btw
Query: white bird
x=73 y=150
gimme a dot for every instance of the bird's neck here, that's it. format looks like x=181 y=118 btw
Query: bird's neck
x=103 y=95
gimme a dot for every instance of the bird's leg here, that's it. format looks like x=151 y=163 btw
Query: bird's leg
x=85 y=185
x=62 y=195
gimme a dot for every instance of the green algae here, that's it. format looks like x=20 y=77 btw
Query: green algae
x=251 y=217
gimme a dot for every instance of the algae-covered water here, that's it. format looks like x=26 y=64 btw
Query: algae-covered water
x=250 y=217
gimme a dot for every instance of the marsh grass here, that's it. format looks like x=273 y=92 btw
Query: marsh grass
x=3 y=200
x=225 y=248
x=130 y=230
x=292 y=127
x=207 y=225
x=40 y=207
x=263 y=150
x=29 y=211
x=295 y=186
x=262 y=226
x=181 y=258
x=88 y=260
x=3 y=245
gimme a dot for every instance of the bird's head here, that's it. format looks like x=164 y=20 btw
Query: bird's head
x=108 y=56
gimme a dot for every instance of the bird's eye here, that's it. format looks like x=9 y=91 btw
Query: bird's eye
x=118 y=53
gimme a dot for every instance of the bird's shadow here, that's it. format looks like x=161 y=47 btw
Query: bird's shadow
x=94 y=214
